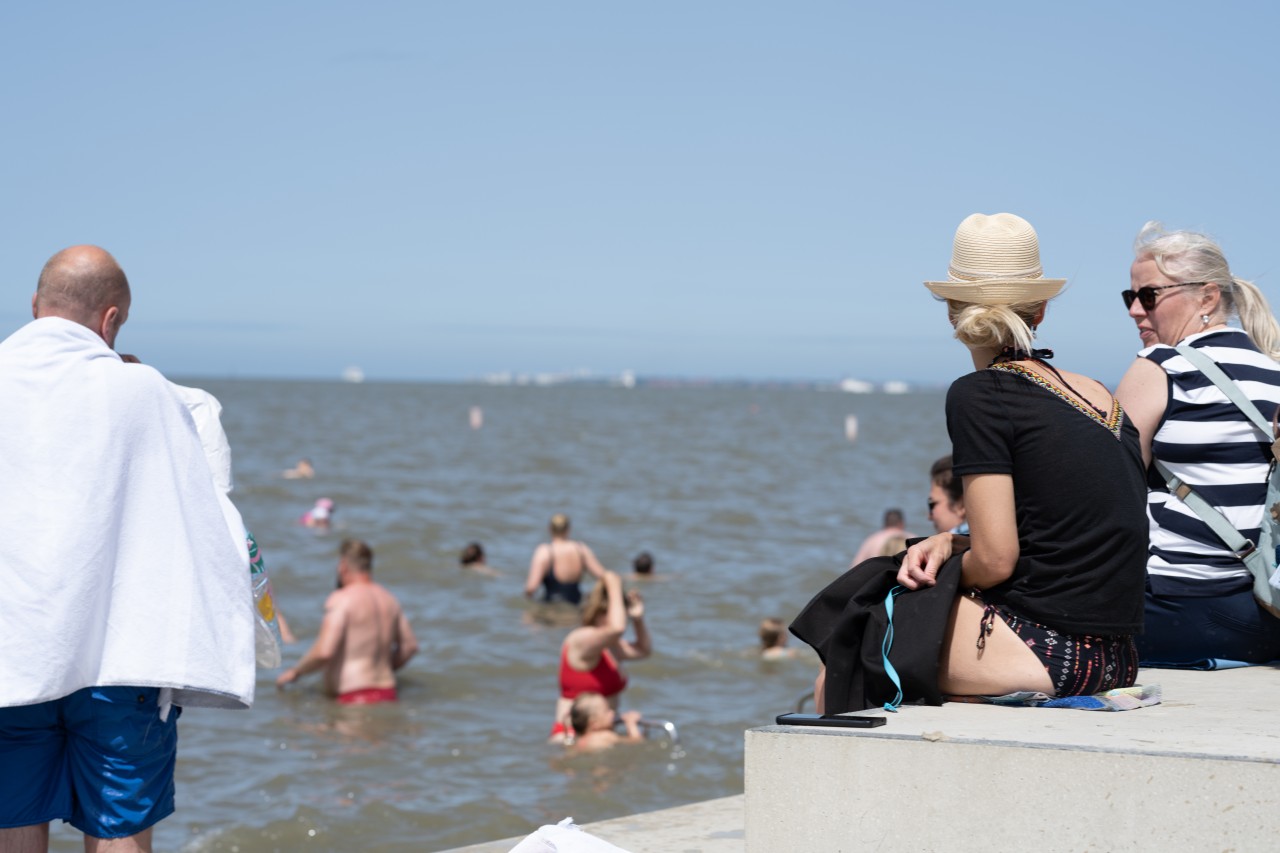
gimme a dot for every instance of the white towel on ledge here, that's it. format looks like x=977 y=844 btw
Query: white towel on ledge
x=118 y=563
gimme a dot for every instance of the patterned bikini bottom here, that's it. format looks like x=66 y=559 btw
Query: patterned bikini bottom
x=1078 y=664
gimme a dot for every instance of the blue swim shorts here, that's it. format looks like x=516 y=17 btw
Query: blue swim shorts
x=100 y=759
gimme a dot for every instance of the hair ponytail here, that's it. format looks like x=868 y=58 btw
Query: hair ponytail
x=1255 y=316
x=993 y=326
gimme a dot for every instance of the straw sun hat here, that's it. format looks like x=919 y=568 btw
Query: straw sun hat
x=996 y=261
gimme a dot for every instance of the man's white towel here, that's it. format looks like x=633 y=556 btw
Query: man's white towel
x=117 y=563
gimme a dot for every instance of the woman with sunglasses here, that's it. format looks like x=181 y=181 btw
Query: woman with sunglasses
x=1199 y=602
x=1045 y=593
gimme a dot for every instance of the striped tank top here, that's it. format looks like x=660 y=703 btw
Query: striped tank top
x=1210 y=444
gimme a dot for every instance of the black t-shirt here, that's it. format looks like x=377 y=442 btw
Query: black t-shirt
x=1079 y=496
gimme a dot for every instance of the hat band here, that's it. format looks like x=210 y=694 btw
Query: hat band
x=1013 y=275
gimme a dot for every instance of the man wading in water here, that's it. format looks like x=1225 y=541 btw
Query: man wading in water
x=364 y=637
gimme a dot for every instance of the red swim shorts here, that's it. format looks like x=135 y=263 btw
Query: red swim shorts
x=368 y=696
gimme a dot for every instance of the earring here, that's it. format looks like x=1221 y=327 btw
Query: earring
x=1204 y=319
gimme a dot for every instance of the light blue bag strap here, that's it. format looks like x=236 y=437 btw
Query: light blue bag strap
x=1227 y=386
x=1260 y=565
x=886 y=644
x=1245 y=549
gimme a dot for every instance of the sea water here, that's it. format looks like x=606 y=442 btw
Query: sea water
x=749 y=498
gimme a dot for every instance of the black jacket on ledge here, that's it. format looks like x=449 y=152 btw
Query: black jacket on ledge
x=846 y=624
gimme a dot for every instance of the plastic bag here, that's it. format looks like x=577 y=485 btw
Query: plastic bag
x=564 y=837
x=266 y=630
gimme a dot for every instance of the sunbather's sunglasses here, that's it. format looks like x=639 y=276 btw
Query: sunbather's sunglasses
x=1147 y=295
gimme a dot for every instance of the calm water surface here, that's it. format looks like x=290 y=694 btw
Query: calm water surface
x=749 y=499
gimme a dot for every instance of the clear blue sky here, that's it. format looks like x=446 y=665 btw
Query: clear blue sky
x=717 y=189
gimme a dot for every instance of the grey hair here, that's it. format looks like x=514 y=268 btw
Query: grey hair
x=1191 y=256
x=994 y=326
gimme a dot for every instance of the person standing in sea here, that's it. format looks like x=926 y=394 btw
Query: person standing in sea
x=557 y=566
x=364 y=637
x=112 y=531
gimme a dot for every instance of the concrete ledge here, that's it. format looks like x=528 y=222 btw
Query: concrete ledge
x=713 y=826
x=1199 y=772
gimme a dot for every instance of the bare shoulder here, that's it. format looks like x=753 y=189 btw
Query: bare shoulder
x=387 y=595
x=1143 y=370
x=1078 y=379
x=1144 y=385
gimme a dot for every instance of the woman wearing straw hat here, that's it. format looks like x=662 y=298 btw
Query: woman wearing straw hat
x=1051 y=575
x=1200 y=594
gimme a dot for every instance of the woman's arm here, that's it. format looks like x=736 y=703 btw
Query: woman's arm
x=923 y=560
x=585 y=644
x=993 y=530
x=1144 y=394
x=642 y=647
x=537 y=569
x=590 y=563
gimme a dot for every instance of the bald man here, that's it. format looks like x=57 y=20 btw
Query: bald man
x=120 y=566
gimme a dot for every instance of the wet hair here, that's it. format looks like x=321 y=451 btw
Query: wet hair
x=643 y=563
x=473 y=553
x=1191 y=256
x=358 y=553
x=559 y=524
x=771 y=632
x=893 y=518
x=580 y=712
x=597 y=603
x=942 y=477
x=994 y=326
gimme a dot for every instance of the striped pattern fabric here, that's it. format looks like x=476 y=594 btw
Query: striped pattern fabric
x=1210 y=444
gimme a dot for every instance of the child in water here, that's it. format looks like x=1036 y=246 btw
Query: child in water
x=773 y=640
x=593 y=723
x=320 y=515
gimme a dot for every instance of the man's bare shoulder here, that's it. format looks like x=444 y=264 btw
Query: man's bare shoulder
x=387 y=595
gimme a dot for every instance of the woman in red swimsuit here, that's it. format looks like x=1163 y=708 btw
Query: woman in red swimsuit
x=590 y=654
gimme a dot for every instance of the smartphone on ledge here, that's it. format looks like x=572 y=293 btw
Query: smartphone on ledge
x=836 y=720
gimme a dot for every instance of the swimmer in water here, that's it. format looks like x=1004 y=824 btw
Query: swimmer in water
x=301 y=471
x=773 y=640
x=320 y=515
x=472 y=559
x=593 y=720
x=642 y=569
x=557 y=566
x=364 y=636
x=590 y=654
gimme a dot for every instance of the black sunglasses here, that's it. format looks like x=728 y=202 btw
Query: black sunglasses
x=1146 y=296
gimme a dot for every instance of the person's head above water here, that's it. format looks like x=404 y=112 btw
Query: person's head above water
x=996 y=290
x=559 y=525
x=473 y=553
x=643 y=563
x=772 y=633
x=590 y=711
x=84 y=284
x=893 y=519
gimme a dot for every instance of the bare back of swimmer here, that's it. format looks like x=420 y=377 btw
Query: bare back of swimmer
x=364 y=637
x=557 y=566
